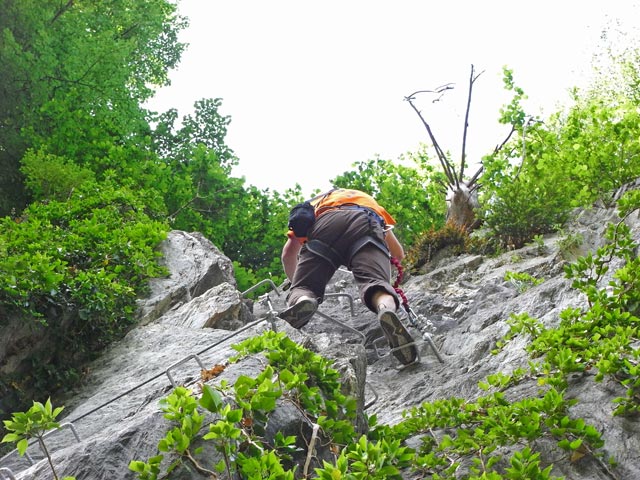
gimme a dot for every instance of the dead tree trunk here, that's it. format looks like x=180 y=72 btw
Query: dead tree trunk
x=461 y=194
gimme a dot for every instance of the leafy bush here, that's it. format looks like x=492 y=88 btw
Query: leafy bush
x=522 y=280
x=49 y=177
x=242 y=411
x=78 y=266
x=569 y=243
x=599 y=148
x=572 y=160
x=522 y=211
x=519 y=202
x=257 y=231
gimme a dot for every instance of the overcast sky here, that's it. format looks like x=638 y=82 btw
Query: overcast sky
x=313 y=87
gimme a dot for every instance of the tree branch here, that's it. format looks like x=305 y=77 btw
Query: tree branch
x=472 y=80
x=472 y=183
x=504 y=142
x=442 y=158
x=63 y=9
x=312 y=443
x=200 y=468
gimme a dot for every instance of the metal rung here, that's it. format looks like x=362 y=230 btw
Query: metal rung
x=68 y=425
x=375 y=396
x=434 y=349
x=343 y=325
x=391 y=350
x=265 y=301
x=351 y=302
x=5 y=473
x=259 y=284
x=177 y=364
x=427 y=339
x=413 y=318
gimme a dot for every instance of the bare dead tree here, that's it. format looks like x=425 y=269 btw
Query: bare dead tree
x=462 y=195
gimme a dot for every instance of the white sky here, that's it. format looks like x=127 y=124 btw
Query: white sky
x=313 y=87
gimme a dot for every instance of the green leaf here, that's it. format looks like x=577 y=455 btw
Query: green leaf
x=575 y=444
x=211 y=399
x=234 y=416
x=10 y=437
x=137 y=466
x=22 y=446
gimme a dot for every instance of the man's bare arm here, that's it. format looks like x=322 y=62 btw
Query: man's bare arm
x=394 y=245
x=289 y=257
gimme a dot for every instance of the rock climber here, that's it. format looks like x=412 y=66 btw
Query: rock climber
x=346 y=227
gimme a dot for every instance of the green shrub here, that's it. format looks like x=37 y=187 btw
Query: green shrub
x=569 y=243
x=77 y=267
x=49 y=177
x=519 y=203
x=573 y=159
x=34 y=423
x=522 y=280
x=293 y=374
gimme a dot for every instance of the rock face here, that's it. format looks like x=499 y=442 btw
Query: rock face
x=462 y=303
x=195 y=266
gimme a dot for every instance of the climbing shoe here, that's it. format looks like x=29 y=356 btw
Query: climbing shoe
x=299 y=314
x=400 y=340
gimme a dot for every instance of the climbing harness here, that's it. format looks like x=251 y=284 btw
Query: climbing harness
x=325 y=249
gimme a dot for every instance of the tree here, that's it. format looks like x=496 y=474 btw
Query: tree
x=461 y=194
x=580 y=155
x=77 y=166
x=201 y=193
x=195 y=168
x=74 y=75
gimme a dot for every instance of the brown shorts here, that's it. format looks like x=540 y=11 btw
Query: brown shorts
x=341 y=230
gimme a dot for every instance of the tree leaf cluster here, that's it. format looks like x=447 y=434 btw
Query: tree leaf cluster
x=577 y=157
x=72 y=270
x=73 y=77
